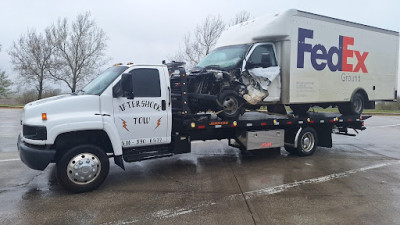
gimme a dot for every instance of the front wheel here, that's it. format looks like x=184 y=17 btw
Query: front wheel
x=82 y=168
x=231 y=104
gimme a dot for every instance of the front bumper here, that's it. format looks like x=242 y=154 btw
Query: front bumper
x=35 y=158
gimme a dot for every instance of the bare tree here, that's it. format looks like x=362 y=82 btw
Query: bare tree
x=199 y=43
x=240 y=17
x=79 y=50
x=202 y=40
x=31 y=56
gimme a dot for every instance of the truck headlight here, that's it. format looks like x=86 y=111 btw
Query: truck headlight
x=34 y=132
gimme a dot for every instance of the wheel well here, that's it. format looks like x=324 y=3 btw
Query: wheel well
x=363 y=93
x=68 y=140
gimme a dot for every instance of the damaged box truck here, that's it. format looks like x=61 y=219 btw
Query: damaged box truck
x=297 y=59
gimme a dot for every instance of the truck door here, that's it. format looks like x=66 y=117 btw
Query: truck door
x=144 y=119
x=265 y=70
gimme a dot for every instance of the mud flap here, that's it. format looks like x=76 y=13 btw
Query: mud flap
x=119 y=161
x=324 y=136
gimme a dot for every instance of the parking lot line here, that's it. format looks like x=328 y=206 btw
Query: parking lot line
x=9 y=160
x=174 y=212
x=284 y=187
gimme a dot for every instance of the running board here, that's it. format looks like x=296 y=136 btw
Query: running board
x=134 y=155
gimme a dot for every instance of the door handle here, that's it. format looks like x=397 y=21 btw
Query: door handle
x=163 y=105
x=169 y=95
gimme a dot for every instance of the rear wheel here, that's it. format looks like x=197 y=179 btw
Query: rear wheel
x=354 y=107
x=357 y=104
x=307 y=142
x=82 y=168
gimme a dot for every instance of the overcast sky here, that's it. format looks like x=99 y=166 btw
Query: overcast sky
x=150 y=31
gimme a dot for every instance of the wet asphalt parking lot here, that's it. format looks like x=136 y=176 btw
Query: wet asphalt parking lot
x=355 y=182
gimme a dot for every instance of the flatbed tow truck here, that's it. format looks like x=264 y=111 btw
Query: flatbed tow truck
x=318 y=126
x=133 y=113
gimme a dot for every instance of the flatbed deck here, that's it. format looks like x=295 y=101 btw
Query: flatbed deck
x=264 y=119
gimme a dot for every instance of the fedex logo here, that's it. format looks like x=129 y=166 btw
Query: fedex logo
x=325 y=56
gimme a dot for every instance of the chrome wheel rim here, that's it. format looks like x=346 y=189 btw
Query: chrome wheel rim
x=307 y=142
x=83 y=168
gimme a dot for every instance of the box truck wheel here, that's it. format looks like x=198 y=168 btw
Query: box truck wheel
x=357 y=104
x=232 y=105
x=307 y=142
x=82 y=168
x=354 y=107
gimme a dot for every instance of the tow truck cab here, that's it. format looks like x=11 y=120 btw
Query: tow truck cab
x=101 y=114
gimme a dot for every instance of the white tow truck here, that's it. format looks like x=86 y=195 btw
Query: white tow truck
x=135 y=112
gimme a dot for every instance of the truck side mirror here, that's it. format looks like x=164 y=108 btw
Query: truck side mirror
x=127 y=85
x=266 y=60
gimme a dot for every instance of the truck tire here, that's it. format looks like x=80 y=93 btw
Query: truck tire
x=307 y=142
x=354 y=107
x=356 y=104
x=231 y=105
x=82 y=168
x=300 y=109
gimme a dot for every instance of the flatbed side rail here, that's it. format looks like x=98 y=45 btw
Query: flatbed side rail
x=355 y=122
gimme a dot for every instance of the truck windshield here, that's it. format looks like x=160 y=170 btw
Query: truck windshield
x=100 y=83
x=224 y=57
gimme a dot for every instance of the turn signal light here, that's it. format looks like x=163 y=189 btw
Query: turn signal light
x=44 y=116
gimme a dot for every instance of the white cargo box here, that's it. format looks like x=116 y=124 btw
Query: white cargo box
x=323 y=59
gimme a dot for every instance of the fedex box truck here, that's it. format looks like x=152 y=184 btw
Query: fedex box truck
x=303 y=59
